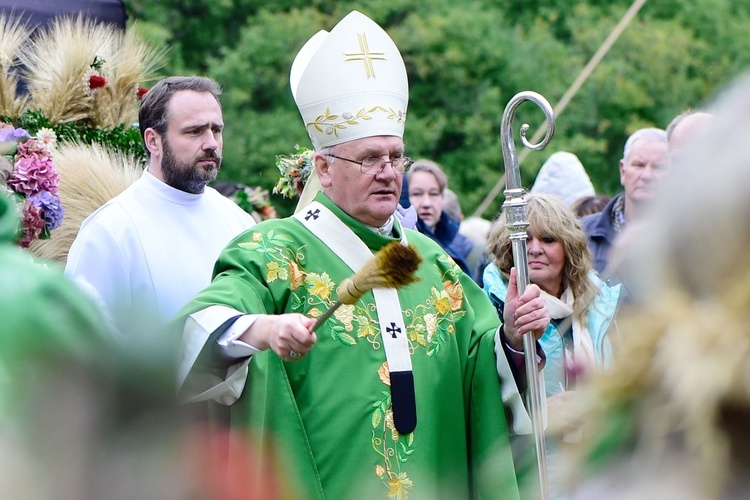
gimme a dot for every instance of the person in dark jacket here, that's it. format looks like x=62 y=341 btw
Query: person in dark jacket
x=425 y=185
x=643 y=164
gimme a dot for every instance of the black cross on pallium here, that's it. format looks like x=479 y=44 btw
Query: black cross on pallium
x=312 y=214
x=393 y=329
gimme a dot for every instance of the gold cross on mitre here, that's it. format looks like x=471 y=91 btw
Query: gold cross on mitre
x=365 y=55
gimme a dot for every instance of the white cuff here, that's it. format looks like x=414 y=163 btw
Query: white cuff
x=538 y=357
x=229 y=341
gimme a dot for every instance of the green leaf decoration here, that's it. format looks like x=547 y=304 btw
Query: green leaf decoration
x=248 y=245
x=296 y=302
x=377 y=417
x=127 y=140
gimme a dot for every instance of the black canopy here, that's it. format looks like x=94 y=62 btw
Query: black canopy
x=40 y=12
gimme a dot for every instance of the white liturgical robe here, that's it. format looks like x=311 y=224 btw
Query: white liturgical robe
x=149 y=250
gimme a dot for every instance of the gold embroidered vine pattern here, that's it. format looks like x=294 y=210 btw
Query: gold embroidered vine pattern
x=331 y=124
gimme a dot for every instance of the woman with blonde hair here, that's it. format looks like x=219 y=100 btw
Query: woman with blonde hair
x=582 y=307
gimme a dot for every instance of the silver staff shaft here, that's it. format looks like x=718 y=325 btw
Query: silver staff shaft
x=517 y=222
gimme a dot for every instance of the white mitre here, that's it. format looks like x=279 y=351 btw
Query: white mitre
x=350 y=83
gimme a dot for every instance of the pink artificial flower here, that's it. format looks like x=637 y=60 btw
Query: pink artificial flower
x=34 y=148
x=33 y=224
x=33 y=174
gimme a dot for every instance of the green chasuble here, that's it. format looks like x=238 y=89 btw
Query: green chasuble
x=327 y=418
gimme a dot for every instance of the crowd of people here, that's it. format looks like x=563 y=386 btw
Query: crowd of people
x=636 y=303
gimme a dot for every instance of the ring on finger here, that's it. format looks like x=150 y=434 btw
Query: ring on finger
x=293 y=354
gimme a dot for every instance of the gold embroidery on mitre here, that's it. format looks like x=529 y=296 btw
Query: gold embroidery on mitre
x=331 y=124
x=365 y=55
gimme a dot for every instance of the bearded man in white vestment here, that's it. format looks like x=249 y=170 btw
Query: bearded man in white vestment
x=147 y=251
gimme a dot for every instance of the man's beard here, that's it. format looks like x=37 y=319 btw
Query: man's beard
x=190 y=177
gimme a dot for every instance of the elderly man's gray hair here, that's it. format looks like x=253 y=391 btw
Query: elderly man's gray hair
x=650 y=133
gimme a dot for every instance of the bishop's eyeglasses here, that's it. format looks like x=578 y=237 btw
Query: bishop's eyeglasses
x=373 y=165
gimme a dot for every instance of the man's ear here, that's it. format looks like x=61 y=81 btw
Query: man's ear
x=152 y=139
x=323 y=170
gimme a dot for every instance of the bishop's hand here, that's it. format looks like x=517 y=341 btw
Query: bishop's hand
x=290 y=336
x=524 y=314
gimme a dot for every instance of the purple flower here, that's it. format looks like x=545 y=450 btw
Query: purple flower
x=52 y=209
x=10 y=134
x=34 y=174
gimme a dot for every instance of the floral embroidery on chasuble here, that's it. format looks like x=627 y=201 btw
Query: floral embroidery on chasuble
x=328 y=416
x=429 y=325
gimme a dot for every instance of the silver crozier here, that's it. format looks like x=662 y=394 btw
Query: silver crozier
x=516 y=222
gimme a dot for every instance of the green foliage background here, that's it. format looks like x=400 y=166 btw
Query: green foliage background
x=465 y=61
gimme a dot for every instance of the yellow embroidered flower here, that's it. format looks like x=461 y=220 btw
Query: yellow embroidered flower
x=385 y=374
x=430 y=323
x=417 y=334
x=443 y=303
x=257 y=236
x=398 y=485
x=366 y=328
x=345 y=314
x=298 y=276
x=275 y=271
x=379 y=470
x=455 y=293
x=319 y=284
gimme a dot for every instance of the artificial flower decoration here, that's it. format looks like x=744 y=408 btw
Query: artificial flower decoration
x=94 y=74
x=294 y=169
x=46 y=138
x=33 y=180
x=71 y=111
x=9 y=138
x=97 y=81
x=254 y=199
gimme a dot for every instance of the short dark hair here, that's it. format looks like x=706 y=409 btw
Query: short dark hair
x=590 y=205
x=153 y=111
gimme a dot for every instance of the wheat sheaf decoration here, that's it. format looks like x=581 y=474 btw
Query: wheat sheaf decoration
x=13 y=34
x=78 y=70
x=90 y=175
x=73 y=86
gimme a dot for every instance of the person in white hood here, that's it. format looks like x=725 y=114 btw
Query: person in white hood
x=563 y=175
